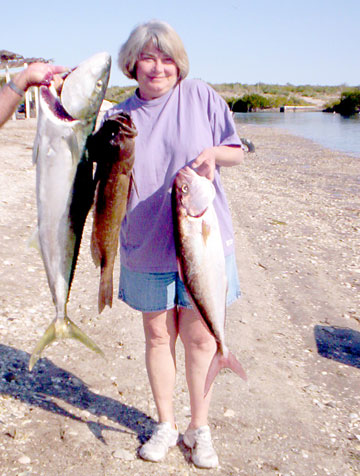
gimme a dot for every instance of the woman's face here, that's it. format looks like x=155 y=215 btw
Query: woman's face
x=156 y=73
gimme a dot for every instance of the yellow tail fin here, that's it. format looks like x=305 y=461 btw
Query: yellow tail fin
x=61 y=329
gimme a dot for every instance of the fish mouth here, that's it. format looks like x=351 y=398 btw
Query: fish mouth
x=195 y=193
x=53 y=103
x=127 y=128
x=192 y=213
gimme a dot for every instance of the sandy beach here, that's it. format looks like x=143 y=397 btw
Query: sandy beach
x=296 y=330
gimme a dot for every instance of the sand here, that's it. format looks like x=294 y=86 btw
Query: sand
x=296 y=330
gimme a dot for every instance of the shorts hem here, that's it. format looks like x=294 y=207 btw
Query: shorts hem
x=142 y=309
x=185 y=306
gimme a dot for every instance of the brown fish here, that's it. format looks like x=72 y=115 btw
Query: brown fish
x=201 y=261
x=113 y=148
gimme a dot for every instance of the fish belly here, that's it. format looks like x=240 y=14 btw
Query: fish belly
x=109 y=211
x=203 y=268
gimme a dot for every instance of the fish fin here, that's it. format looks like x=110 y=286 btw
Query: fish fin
x=181 y=275
x=219 y=362
x=48 y=337
x=61 y=329
x=95 y=252
x=205 y=231
x=36 y=148
x=34 y=241
x=94 y=243
x=105 y=297
x=133 y=183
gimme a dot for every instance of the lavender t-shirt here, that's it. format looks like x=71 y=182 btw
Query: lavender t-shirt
x=172 y=131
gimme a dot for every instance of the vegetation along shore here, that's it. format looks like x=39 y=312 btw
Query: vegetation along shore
x=247 y=98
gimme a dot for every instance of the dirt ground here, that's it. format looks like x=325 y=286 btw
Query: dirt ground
x=296 y=330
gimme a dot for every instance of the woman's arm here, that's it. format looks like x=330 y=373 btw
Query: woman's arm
x=223 y=156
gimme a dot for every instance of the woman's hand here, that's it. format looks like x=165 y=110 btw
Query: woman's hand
x=223 y=156
x=204 y=164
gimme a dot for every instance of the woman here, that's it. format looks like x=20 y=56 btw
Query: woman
x=179 y=122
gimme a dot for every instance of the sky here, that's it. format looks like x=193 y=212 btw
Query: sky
x=228 y=41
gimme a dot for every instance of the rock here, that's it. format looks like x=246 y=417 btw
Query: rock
x=123 y=454
x=24 y=460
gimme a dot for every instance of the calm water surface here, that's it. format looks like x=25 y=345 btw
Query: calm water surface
x=330 y=130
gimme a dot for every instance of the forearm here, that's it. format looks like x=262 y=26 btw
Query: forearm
x=227 y=156
x=36 y=74
x=9 y=99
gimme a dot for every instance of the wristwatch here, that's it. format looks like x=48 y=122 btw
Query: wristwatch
x=15 y=88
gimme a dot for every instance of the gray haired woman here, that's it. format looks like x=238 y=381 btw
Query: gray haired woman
x=180 y=122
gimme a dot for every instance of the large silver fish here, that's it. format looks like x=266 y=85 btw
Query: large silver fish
x=201 y=261
x=64 y=184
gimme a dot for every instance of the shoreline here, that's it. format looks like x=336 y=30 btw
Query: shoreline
x=340 y=149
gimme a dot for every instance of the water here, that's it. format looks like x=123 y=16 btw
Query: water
x=330 y=130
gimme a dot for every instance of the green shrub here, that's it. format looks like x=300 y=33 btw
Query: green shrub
x=349 y=103
x=251 y=102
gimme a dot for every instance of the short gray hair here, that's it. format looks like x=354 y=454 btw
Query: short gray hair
x=163 y=36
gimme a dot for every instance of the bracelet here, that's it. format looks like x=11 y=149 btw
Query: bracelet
x=15 y=88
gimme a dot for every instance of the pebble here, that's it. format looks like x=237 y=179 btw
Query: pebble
x=123 y=454
x=24 y=459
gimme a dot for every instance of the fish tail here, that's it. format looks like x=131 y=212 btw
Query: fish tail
x=48 y=337
x=61 y=329
x=105 y=289
x=219 y=362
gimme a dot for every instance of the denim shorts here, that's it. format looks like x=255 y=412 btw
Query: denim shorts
x=149 y=292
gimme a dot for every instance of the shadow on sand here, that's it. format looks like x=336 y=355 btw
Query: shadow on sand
x=47 y=382
x=338 y=343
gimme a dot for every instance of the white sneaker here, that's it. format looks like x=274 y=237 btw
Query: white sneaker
x=163 y=438
x=203 y=454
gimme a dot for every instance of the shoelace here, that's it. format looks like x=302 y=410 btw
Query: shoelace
x=203 y=440
x=160 y=437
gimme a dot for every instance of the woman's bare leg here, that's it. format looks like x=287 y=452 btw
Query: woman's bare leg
x=161 y=331
x=200 y=347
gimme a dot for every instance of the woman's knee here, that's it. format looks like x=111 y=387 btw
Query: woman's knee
x=194 y=333
x=160 y=328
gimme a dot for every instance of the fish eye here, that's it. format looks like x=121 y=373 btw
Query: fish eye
x=185 y=188
x=99 y=84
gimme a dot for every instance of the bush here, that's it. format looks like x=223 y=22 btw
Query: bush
x=349 y=103
x=251 y=102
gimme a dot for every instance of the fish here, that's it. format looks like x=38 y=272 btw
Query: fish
x=113 y=148
x=201 y=261
x=65 y=185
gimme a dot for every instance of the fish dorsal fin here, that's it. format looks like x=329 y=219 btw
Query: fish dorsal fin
x=133 y=184
x=205 y=231
x=36 y=146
